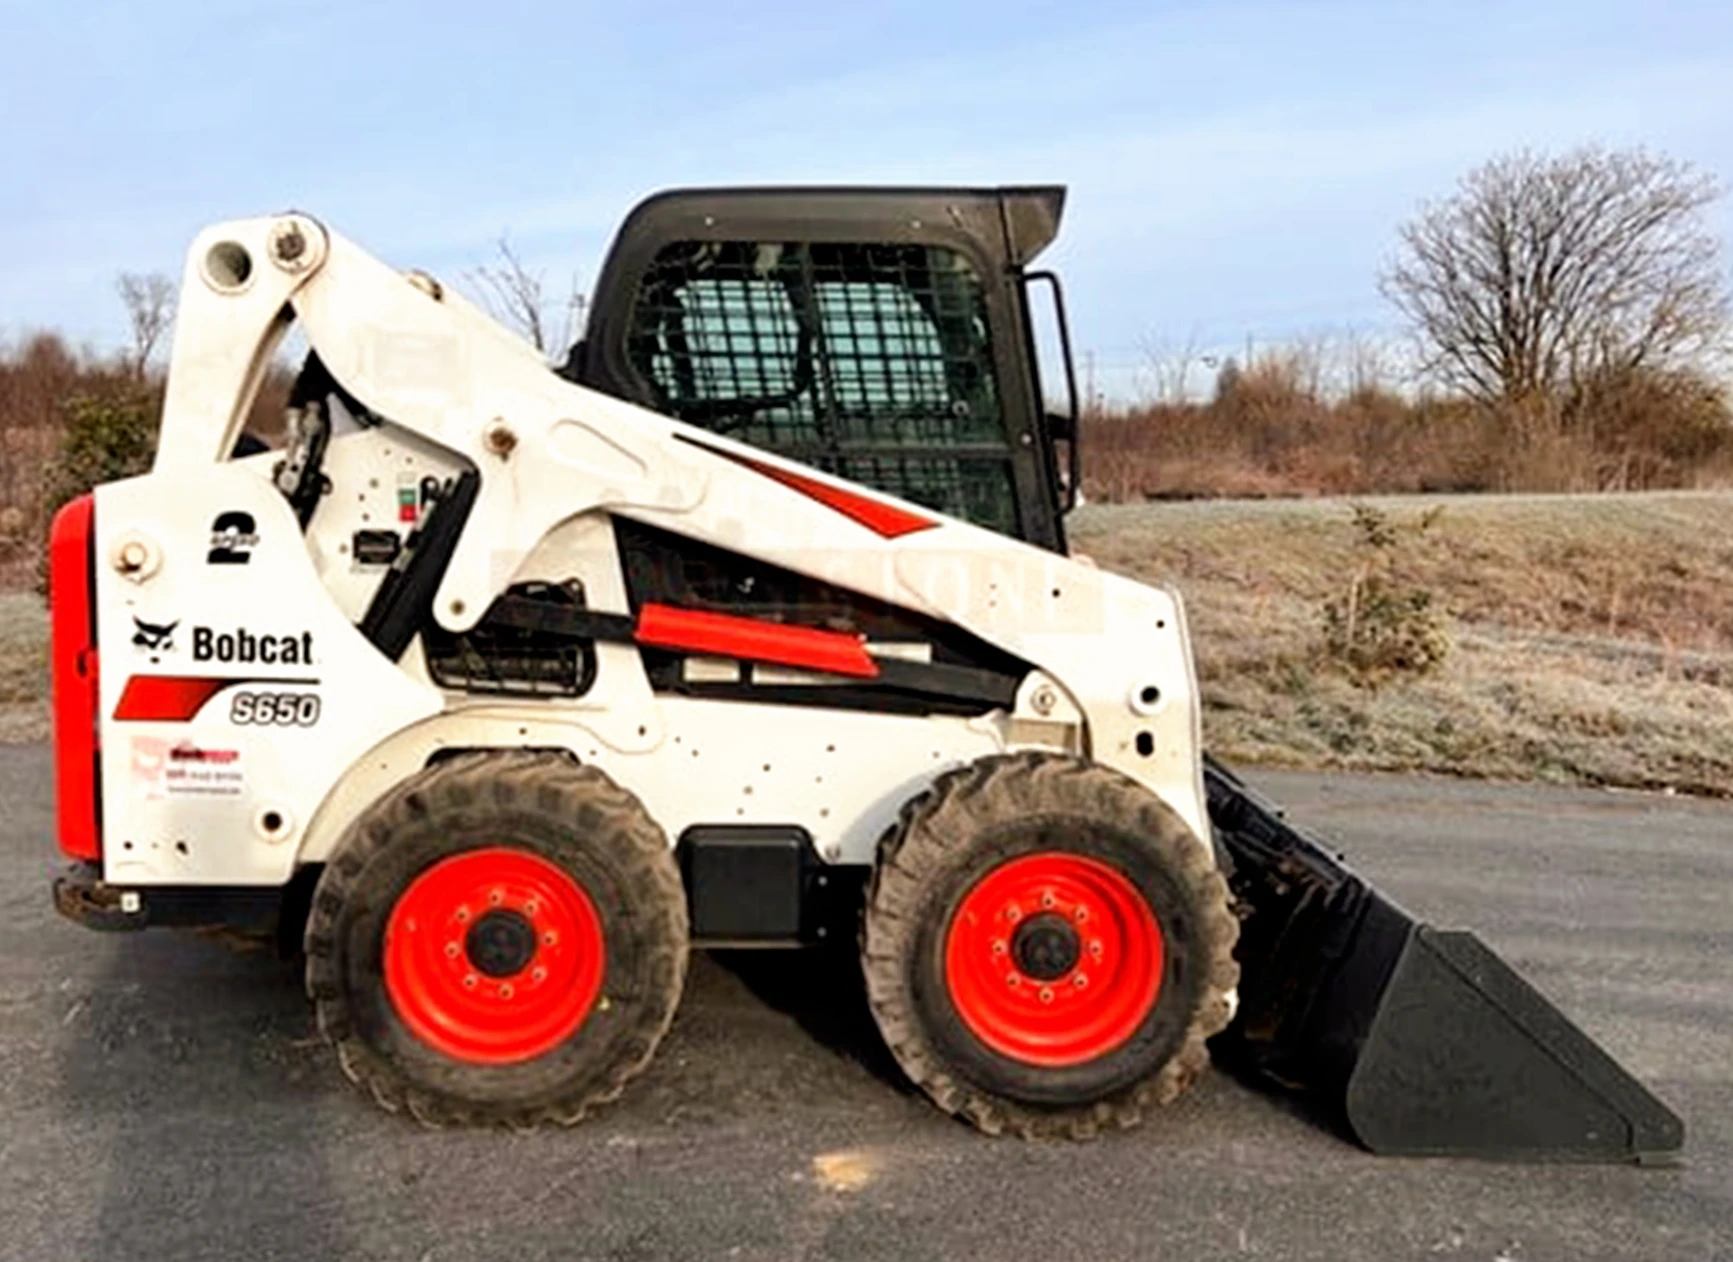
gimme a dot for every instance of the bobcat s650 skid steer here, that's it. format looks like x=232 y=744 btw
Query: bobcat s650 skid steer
x=501 y=689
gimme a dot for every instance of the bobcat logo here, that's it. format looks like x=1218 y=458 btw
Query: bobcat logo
x=154 y=638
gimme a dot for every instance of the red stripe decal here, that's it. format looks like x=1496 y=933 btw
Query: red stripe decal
x=74 y=683
x=166 y=698
x=884 y=519
x=723 y=635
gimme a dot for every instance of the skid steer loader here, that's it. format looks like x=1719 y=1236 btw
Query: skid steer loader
x=752 y=626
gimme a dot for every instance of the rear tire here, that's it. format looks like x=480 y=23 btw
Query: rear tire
x=500 y=939
x=1047 y=946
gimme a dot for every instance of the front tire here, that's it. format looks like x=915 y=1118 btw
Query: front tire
x=500 y=939
x=1047 y=946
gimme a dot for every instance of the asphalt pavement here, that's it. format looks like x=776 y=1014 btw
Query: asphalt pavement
x=162 y=1097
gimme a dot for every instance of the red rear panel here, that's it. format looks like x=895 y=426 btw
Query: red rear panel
x=72 y=612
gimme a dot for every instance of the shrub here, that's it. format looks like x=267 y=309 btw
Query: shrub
x=1380 y=625
x=104 y=438
x=1275 y=428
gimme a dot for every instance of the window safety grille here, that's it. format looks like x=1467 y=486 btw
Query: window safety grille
x=514 y=661
x=873 y=362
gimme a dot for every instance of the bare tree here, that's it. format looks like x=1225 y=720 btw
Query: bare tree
x=1165 y=374
x=150 y=310
x=517 y=296
x=1367 y=363
x=1542 y=274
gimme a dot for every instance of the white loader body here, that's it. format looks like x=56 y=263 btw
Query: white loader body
x=303 y=722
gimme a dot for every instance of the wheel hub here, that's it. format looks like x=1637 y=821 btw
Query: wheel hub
x=500 y=943
x=494 y=956
x=1046 y=947
x=1054 y=959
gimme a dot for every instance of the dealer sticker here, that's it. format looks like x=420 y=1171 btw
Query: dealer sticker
x=164 y=769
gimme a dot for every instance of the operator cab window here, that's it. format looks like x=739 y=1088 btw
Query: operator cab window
x=870 y=361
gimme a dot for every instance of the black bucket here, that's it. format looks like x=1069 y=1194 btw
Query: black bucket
x=1420 y=1040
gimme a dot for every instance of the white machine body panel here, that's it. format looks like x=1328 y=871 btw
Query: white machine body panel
x=306 y=722
x=222 y=796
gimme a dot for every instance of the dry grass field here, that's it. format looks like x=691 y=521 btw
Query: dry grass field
x=1591 y=636
x=23 y=668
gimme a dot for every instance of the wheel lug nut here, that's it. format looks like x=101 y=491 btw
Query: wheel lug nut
x=451 y=949
x=1095 y=947
x=1046 y=994
x=1013 y=913
x=1082 y=915
x=505 y=991
x=469 y=980
x=462 y=915
x=1080 y=980
x=998 y=947
x=1012 y=980
x=538 y=974
x=530 y=907
x=1047 y=899
x=550 y=937
x=495 y=898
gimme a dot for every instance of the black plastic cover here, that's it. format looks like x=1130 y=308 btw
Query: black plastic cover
x=403 y=602
x=746 y=882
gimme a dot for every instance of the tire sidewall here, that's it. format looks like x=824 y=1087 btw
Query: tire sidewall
x=1184 y=967
x=586 y=850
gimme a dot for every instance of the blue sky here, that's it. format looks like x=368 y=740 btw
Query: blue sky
x=1235 y=168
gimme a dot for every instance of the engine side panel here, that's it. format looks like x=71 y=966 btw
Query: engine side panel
x=234 y=693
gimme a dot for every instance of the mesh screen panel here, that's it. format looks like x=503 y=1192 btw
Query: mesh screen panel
x=873 y=362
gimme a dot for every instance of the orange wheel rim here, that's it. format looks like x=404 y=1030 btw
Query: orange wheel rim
x=494 y=956
x=1054 y=959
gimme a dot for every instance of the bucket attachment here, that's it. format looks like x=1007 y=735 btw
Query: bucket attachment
x=1421 y=1040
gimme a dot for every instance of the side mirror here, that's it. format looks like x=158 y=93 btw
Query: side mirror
x=1062 y=426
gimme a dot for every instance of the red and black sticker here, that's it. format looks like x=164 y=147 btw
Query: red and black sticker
x=179 y=698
